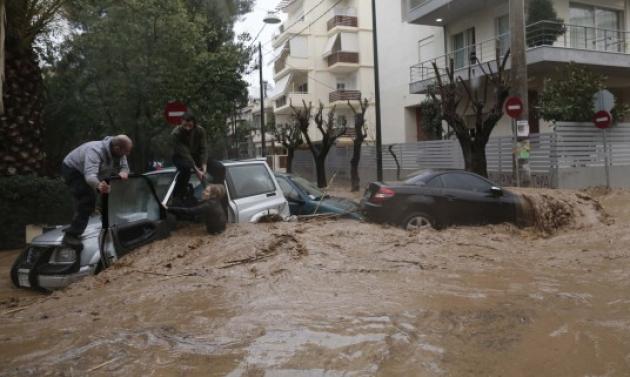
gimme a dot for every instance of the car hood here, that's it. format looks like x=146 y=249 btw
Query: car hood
x=56 y=235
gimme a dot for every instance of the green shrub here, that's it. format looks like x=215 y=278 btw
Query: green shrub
x=31 y=200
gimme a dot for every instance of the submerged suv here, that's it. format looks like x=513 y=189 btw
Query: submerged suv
x=134 y=214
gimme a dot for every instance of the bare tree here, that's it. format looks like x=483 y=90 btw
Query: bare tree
x=360 y=134
x=458 y=97
x=290 y=136
x=328 y=131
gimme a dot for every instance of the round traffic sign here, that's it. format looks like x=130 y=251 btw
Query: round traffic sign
x=602 y=119
x=514 y=107
x=174 y=111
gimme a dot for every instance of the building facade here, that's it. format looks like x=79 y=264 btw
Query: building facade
x=594 y=34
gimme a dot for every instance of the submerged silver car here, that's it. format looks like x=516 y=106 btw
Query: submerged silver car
x=134 y=214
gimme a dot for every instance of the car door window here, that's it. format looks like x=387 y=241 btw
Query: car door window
x=161 y=182
x=250 y=180
x=131 y=201
x=435 y=182
x=289 y=191
x=467 y=182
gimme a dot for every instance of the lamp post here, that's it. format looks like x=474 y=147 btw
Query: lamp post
x=377 y=89
x=271 y=18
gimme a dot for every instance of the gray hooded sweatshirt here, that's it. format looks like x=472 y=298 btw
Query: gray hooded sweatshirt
x=95 y=161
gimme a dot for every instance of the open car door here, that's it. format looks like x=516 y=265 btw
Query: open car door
x=132 y=216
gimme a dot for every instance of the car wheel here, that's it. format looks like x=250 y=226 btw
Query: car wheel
x=418 y=221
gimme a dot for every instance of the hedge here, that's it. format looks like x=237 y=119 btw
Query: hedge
x=31 y=200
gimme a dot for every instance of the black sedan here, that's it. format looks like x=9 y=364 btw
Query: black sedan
x=440 y=198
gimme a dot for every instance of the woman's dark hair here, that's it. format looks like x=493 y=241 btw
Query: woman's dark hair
x=188 y=116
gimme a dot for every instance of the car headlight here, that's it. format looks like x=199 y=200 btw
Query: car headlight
x=63 y=255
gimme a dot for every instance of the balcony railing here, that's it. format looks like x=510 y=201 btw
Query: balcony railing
x=343 y=57
x=543 y=33
x=344 y=95
x=339 y=20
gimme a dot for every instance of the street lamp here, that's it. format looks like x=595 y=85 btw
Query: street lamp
x=271 y=18
x=377 y=89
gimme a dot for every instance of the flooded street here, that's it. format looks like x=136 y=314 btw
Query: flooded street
x=332 y=298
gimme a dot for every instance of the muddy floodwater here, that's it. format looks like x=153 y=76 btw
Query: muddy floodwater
x=342 y=298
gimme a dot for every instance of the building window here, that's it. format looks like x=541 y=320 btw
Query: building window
x=341 y=86
x=425 y=48
x=464 y=51
x=302 y=88
x=342 y=121
x=595 y=28
x=503 y=34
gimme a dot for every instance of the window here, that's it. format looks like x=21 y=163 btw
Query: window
x=461 y=181
x=161 y=182
x=341 y=86
x=503 y=34
x=342 y=121
x=464 y=48
x=435 y=183
x=249 y=180
x=131 y=201
x=595 y=28
x=425 y=49
x=302 y=88
x=289 y=192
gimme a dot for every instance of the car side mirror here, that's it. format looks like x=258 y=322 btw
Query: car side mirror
x=496 y=191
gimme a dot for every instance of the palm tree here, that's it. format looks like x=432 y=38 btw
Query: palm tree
x=21 y=125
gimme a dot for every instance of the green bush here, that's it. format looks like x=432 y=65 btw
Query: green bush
x=31 y=200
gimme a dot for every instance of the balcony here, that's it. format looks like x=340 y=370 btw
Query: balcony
x=428 y=12
x=282 y=104
x=549 y=44
x=344 y=96
x=343 y=22
x=341 y=62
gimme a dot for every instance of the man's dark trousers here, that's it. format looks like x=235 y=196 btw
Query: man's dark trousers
x=184 y=166
x=84 y=199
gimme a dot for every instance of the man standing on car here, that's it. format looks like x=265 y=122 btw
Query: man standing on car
x=189 y=153
x=84 y=170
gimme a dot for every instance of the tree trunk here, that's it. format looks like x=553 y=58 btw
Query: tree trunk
x=21 y=127
x=320 y=167
x=290 y=154
x=475 y=156
x=355 y=180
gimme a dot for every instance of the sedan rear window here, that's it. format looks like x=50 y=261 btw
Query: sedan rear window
x=250 y=180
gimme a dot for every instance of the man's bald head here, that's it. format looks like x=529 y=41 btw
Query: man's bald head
x=122 y=145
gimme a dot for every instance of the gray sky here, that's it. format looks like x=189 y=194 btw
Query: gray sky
x=252 y=23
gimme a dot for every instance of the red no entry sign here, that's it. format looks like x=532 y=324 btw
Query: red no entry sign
x=602 y=119
x=514 y=107
x=174 y=111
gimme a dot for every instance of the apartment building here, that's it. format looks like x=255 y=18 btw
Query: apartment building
x=323 y=53
x=596 y=35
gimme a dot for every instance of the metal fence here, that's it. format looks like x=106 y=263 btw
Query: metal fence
x=573 y=156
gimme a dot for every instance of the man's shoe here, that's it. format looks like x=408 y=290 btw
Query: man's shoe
x=72 y=241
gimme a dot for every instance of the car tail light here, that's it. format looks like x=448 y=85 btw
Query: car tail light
x=382 y=194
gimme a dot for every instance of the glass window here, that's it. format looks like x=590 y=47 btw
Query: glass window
x=161 y=182
x=289 y=191
x=250 y=180
x=461 y=181
x=308 y=187
x=464 y=48
x=435 y=183
x=595 y=28
x=503 y=34
x=131 y=201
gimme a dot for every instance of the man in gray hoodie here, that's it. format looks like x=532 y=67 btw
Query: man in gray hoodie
x=84 y=170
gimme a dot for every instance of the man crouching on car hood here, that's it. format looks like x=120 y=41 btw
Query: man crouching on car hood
x=84 y=170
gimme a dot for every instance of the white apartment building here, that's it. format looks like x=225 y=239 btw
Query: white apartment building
x=323 y=53
x=596 y=35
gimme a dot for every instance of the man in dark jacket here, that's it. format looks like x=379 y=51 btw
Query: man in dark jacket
x=189 y=153
x=84 y=170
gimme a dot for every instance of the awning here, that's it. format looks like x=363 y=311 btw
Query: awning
x=281 y=87
x=329 y=45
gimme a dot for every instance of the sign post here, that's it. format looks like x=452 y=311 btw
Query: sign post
x=514 y=109
x=174 y=111
x=603 y=121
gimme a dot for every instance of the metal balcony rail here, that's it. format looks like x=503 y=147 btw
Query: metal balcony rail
x=343 y=57
x=341 y=20
x=344 y=95
x=543 y=33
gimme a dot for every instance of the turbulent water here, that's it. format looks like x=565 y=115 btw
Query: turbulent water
x=343 y=298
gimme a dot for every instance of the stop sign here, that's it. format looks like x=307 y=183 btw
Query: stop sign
x=602 y=119
x=514 y=107
x=174 y=111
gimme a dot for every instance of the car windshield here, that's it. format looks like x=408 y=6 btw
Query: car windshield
x=308 y=187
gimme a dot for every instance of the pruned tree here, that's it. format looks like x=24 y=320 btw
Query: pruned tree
x=326 y=128
x=459 y=98
x=360 y=134
x=290 y=136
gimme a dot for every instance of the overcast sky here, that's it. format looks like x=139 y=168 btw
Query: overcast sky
x=252 y=24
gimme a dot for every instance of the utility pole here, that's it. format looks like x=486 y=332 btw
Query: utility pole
x=263 y=149
x=519 y=88
x=377 y=89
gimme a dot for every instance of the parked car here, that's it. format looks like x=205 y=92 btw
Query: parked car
x=134 y=214
x=305 y=198
x=440 y=198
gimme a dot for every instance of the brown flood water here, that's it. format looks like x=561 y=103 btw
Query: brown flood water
x=342 y=298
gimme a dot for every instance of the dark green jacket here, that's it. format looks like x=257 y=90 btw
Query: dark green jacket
x=190 y=145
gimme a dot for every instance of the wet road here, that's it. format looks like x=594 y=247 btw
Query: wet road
x=342 y=298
